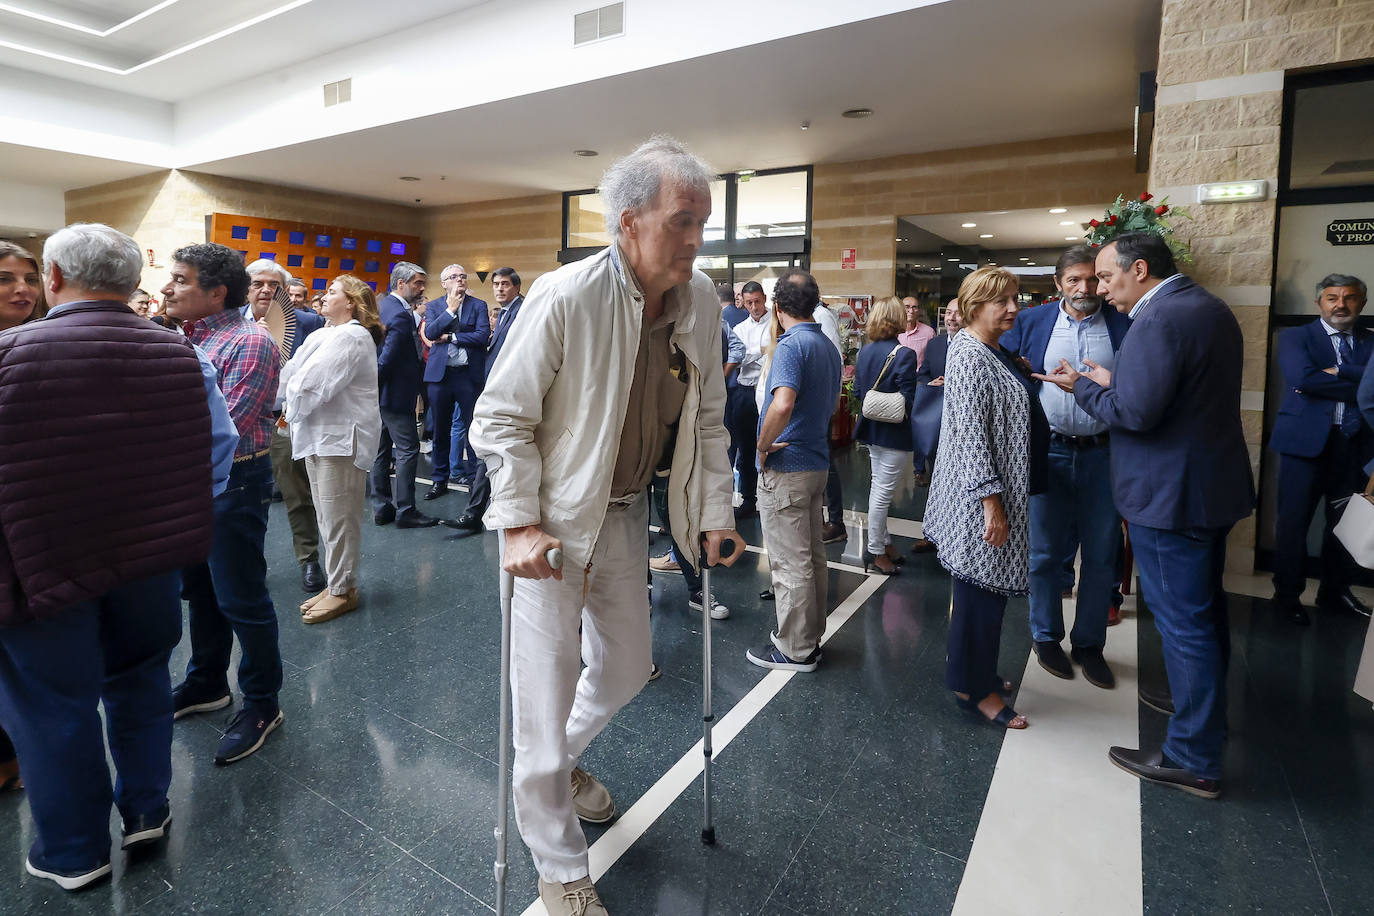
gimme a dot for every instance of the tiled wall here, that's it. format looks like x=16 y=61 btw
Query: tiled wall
x=1218 y=115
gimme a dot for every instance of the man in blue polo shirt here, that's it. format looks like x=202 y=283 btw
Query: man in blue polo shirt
x=794 y=460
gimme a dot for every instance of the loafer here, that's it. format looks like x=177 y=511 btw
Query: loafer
x=439 y=488
x=1343 y=603
x=312 y=577
x=141 y=832
x=833 y=533
x=576 y=898
x=465 y=522
x=68 y=880
x=189 y=699
x=384 y=516
x=591 y=799
x=1096 y=671
x=1153 y=766
x=1157 y=698
x=1052 y=658
x=414 y=518
x=923 y=545
x=247 y=733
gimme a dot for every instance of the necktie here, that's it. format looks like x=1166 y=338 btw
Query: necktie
x=1350 y=418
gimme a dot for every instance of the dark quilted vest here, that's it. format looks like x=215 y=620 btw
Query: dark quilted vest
x=104 y=458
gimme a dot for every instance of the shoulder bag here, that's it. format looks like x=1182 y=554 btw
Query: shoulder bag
x=890 y=406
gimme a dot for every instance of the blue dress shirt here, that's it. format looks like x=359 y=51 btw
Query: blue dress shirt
x=1075 y=340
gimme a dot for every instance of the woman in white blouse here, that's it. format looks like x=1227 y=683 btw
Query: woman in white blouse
x=331 y=404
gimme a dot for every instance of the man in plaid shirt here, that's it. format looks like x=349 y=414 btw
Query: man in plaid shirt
x=228 y=593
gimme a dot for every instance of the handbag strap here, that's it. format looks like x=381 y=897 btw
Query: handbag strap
x=893 y=355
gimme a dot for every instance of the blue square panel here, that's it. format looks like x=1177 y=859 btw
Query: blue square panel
x=269 y=235
x=295 y=260
x=346 y=263
x=238 y=232
x=398 y=248
x=318 y=284
x=390 y=267
x=371 y=267
x=267 y=255
x=323 y=241
x=373 y=284
x=297 y=238
x=349 y=244
x=322 y=263
x=374 y=246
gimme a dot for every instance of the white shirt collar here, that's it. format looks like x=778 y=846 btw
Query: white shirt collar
x=1330 y=331
x=1136 y=309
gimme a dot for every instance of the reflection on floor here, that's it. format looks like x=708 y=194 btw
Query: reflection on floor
x=857 y=789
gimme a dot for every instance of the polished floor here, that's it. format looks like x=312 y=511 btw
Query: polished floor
x=857 y=789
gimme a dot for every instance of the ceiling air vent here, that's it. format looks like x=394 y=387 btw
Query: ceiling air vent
x=598 y=24
x=337 y=93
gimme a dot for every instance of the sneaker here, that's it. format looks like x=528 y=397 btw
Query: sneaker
x=187 y=700
x=665 y=563
x=591 y=799
x=246 y=733
x=68 y=880
x=718 y=610
x=576 y=898
x=833 y=533
x=770 y=656
x=766 y=595
x=146 y=830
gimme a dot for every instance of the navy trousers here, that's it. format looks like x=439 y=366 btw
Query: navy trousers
x=228 y=594
x=54 y=675
x=742 y=422
x=1180 y=574
x=6 y=747
x=975 y=638
x=1332 y=475
x=452 y=402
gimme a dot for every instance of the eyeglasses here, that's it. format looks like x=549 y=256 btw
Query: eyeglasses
x=454 y=277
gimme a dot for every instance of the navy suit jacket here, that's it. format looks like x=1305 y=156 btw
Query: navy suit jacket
x=1310 y=395
x=1030 y=336
x=900 y=376
x=471 y=330
x=734 y=314
x=1179 y=459
x=508 y=316
x=933 y=363
x=399 y=371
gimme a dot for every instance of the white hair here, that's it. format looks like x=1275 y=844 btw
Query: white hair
x=268 y=266
x=632 y=183
x=96 y=257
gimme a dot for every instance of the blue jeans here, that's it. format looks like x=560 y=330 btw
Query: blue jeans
x=228 y=594
x=1180 y=573
x=1077 y=509
x=54 y=674
x=452 y=401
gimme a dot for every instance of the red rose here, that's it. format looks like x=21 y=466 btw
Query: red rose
x=1160 y=211
x=1094 y=223
x=1111 y=220
x=1145 y=196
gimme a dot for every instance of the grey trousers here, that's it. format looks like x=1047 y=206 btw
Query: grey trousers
x=400 y=442
x=791 y=506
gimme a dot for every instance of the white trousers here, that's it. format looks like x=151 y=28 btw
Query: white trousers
x=886 y=466
x=558 y=712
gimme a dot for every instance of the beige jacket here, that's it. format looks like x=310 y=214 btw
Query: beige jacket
x=548 y=423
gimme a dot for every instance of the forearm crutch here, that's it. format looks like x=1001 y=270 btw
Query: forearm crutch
x=708 y=827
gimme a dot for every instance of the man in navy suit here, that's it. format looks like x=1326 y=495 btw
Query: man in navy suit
x=505 y=286
x=1077 y=511
x=925 y=410
x=459 y=331
x=399 y=376
x=1322 y=443
x=1181 y=478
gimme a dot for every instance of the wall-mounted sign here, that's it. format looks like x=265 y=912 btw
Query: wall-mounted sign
x=1350 y=232
x=849 y=259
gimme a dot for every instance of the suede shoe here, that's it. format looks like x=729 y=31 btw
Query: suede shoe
x=1052 y=659
x=68 y=880
x=576 y=898
x=1096 y=671
x=187 y=700
x=247 y=732
x=1153 y=766
x=144 y=831
x=591 y=799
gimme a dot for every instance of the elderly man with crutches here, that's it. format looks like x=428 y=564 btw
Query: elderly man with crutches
x=611 y=370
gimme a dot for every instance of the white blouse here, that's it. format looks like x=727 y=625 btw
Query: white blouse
x=330 y=388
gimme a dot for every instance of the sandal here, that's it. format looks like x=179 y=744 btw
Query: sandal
x=1006 y=718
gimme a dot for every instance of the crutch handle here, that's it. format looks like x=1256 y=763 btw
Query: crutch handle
x=728 y=548
x=554 y=557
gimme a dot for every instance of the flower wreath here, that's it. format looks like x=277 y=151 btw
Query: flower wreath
x=1140 y=215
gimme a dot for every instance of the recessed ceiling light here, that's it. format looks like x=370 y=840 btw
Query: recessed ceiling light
x=1070 y=238
x=585 y=153
x=986 y=235
x=970 y=225
x=952 y=260
x=1066 y=222
x=409 y=178
x=1023 y=259
x=900 y=239
x=1030 y=264
x=857 y=113
x=1060 y=210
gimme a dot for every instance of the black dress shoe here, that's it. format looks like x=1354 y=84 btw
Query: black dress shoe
x=766 y=595
x=1152 y=766
x=312 y=577
x=414 y=518
x=1157 y=698
x=1053 y=659
x=439 y=489
x=1292 y=609
x=465 y=522
x=384 y=516
x=1343 y=603
x=1096 y=671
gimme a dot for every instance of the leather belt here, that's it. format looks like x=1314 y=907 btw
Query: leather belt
x=253 y=457
x=1081 y=441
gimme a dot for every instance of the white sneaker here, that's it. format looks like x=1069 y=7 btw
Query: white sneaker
x=718 y=610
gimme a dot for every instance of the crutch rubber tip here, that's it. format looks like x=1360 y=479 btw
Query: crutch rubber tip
x=708 y=836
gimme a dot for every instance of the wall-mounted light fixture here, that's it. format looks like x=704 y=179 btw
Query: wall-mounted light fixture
x=1232 y=192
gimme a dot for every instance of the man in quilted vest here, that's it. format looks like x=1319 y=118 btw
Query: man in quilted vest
x=90 y=613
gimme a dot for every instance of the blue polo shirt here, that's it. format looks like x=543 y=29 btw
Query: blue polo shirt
x=807 y=362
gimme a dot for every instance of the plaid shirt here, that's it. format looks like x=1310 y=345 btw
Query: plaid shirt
x=248 y=363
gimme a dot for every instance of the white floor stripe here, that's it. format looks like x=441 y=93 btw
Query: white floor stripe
x=632 y=825
x=1060 y=830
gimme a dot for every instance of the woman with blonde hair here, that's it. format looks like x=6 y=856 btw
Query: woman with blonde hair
x=887 y=367
x=992 y=455
x=331 y=403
